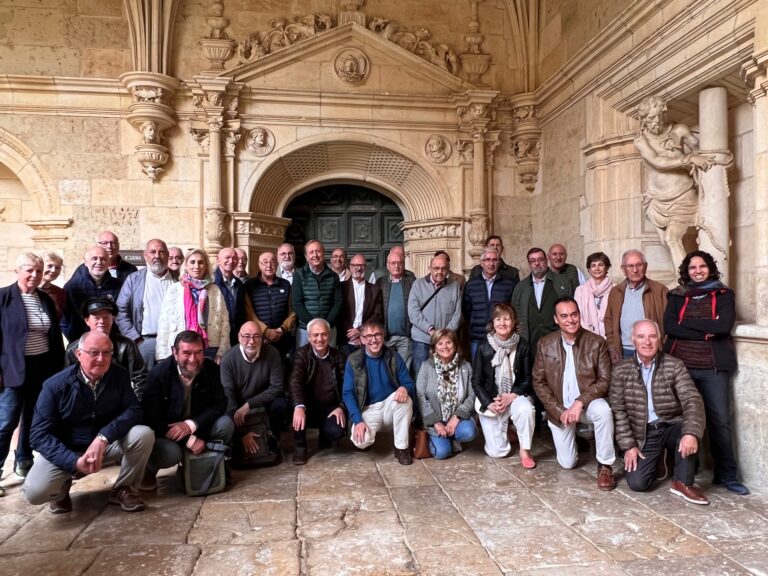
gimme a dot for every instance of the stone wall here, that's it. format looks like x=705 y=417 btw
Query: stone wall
x=15 y=236
x=64 y=38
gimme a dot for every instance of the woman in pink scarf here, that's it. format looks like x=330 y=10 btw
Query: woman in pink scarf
x=592 y=296
x=194 y=303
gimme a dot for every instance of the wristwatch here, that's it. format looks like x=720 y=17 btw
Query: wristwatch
x=103 y=438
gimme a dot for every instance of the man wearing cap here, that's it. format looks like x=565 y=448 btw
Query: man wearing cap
x=99 y=315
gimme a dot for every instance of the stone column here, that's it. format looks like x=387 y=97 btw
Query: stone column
x=215 y=229
x=755 y=73
x=714 y=234
x=478 y=230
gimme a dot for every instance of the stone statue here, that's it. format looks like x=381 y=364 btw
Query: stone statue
x=260 y=142
x=671 y=154
x=148 y=131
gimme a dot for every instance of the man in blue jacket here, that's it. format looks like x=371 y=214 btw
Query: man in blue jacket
x=378 y=391
x=86 y=417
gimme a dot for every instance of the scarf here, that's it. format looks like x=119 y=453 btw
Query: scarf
x=448 y=383
x=592 y=317
x=503 y=360
x=196 y=305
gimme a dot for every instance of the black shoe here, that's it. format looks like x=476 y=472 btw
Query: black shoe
x=403 y=456
x=63 y=505
x=734 y=486
x=300 y=455
x=22 y=467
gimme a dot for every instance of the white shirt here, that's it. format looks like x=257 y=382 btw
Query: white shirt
x=538 y=289
x=359 y=302
x=155 y=288
x=489 y=284
x=287 y=275
x=570 y=383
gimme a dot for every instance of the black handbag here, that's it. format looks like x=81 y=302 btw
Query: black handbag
x=206 y=473
x=268 y=448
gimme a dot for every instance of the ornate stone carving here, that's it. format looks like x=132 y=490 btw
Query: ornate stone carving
x=491 y=143
x=152 y=158
x=437 y=148
x=231 y=138
x=217 y=46
x=148 y=94
x=282 y=35
x=260 y=141
x=351 y=66
x=474 y=62
x=466 y=150
x=434 y=231
x=265 y=229
x=202 y=138
x=478 y=229
x=674 y=163
x=522 y=113
x=416 y=41
x=475 y=111
x=526 y=149
x=525 y=139
x=215 y=227
x=214 y=98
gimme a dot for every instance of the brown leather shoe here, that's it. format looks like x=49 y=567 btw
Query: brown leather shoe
x=605 y=479
x=403 y=456
x=690 y=494
x=127 y=499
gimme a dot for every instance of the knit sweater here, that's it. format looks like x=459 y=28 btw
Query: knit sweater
x=257 y=383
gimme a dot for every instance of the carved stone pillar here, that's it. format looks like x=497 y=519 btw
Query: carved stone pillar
x=256 y=233
x=50 y=233
x=755 y=73
x=424 y=238
x=713 y=222
x=476 y=116
x=525 y=139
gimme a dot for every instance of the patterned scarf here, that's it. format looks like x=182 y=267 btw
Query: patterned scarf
x=503 y=360
x=448 y=382
x=587 y=296
x=196 y=305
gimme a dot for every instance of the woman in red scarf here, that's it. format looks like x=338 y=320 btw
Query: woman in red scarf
x=194 y=303
x=592 y=296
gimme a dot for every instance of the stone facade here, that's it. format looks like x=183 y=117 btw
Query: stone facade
x=200 y=121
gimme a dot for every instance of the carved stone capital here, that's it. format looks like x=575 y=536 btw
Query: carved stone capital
x=252 y=229
x=202 y=139
x=476 y=110
x=47 y=231
x=478 y=229
x=466 y=150
x=231 y=138
x=755 y=73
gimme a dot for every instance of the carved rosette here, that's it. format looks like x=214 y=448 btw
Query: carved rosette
x=150 y=113
x=351 y=66
x=525 y=140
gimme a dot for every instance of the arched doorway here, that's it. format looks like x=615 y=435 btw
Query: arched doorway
x=356 y=218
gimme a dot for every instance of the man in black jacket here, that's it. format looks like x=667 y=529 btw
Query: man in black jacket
x=184 y=403
x=315 y=384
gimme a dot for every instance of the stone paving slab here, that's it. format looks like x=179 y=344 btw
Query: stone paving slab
x=47 y=563
x=709 y=566
x=278 y=558
x=154 y=560
x=597 y=569
x=457 y=560
x=244 y=523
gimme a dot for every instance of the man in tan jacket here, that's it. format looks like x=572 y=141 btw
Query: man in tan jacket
x=637 y=298
x=571 y=376
x=657 y=407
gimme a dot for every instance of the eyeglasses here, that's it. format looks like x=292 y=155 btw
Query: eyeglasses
x=249 y=337
x=374 y=336
x=536 y=260
x=97 y=353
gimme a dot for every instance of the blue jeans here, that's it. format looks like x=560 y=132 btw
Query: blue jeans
x=440 y=446
x=420 y=355
x=715 y=389
x=11 y=402
x=473 y=346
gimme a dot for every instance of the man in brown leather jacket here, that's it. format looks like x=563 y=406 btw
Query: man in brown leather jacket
x=656 y=406
x=571 y=376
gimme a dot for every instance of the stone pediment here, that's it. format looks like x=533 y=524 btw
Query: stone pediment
x=349 y=58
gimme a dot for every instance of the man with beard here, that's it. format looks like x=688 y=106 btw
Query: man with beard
x=286 y=258
x=140 y=299
x=184 y=403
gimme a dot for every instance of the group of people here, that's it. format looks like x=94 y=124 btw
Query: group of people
x=163 y=359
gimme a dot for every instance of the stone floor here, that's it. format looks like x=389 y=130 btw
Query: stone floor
x=360 y=513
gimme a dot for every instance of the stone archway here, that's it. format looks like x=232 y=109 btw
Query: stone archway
x=431 y=222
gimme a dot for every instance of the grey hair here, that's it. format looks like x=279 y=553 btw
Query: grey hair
x=629 y=253
x=489 y=251
x=648 y=321
x=28 y=258
x=321 y=321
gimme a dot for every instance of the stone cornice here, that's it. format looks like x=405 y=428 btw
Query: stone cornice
x=57 y=95
x=585 y=72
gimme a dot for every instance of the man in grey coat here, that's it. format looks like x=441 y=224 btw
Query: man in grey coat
x=434 y=303
x=141 y=297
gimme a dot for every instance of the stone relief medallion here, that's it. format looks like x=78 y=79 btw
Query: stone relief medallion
x=437 y=149
x=351 y=66
x=260 y=141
